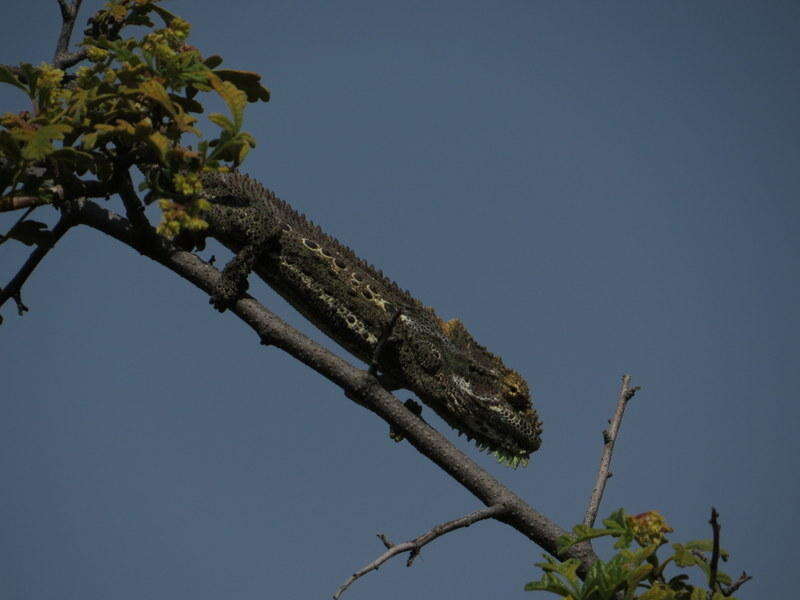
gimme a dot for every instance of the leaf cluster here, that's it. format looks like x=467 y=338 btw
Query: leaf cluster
x=636 y=573
x=133 y=105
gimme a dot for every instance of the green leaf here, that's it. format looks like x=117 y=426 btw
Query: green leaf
x=161 y=144
x=235 y=98
x=684 y=557
x=7 y=76
x=89 y=140
x=165 y=15
x=40 y=143
x=222 y=121
x=706 y=546
x=558 y=578
x=247 y=81
x=698 y=594
x=153 y=89
x=616 y=526
x=638 y=574
x=77 y=160
x=658 y=592
x=213 y=61
x=30 y=75
x=702 y=545
x=187 y=104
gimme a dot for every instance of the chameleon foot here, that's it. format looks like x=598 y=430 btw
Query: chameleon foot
x=414 y=407
x=226 y=294
x=387 y=332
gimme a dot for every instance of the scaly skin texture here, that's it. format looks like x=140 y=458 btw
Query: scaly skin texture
x=368 y=314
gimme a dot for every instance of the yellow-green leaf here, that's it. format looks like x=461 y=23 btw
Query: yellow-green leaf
x=153 y=89
x=699 y=594
x=163 y=13
x=235 y=98
x=6 y=76
x=247 y=81
x=222 y=121
x=186 y=123
x=40 y=143
x=160 y=142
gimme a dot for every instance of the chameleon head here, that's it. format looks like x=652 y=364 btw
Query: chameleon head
x=473 y=391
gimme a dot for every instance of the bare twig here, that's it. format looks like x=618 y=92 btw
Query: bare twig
x=359 y=384
x=743 y=578
x=609 y=438
x=413 y=547
x=715 y=526
x=62 y=59
x=14 y=288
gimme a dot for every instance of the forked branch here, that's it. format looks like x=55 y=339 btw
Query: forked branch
x=413 y=547
x=62 y=59
x=713 y=582
x=14 y=288
x=609 y=438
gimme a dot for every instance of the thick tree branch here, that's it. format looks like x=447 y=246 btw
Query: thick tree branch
x=609 y=438
x=359 y=384
x=14 y=287
x=62 y=59
x=415 y=546
x=9 y=203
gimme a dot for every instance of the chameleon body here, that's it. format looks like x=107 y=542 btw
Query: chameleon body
x=366 y=313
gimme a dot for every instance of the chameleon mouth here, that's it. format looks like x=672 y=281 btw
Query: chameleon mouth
x=494 y=433
x=506 y=451
x=508 y=433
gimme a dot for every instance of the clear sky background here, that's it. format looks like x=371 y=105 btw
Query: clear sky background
x=593 y=188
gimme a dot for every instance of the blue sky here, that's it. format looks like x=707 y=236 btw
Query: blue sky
x=593 y=188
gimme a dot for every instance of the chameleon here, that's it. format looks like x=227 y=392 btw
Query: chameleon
x=366 y=313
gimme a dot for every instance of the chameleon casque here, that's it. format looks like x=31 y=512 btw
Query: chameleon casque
x=366 y=313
